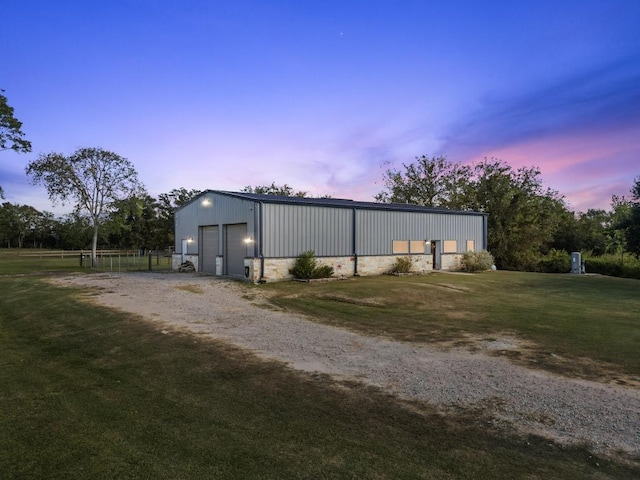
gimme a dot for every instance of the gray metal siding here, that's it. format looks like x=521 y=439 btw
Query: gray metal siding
x=292 y=229
x=212 y=209
x=376 y=230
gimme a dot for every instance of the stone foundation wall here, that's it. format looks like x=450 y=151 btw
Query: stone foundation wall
x=383 y=264
x=451 y=261
x=277 y=269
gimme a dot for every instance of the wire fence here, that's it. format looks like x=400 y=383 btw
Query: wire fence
x=106 y=260
x=127 y=261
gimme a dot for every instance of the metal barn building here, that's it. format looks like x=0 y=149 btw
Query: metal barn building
x=258 y=237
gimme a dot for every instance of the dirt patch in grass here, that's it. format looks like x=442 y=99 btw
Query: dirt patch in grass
x=192 y=288
x=529 y=354
x=368 y=302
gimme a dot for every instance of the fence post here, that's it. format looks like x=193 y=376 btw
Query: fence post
x=149 y=261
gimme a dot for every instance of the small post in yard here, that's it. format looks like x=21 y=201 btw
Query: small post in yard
x=149 y=260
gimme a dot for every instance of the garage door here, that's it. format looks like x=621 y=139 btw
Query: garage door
x=236 y=249
x=209 y=246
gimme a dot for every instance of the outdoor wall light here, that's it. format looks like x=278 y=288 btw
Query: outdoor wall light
x=206 y=202
x=248 y=240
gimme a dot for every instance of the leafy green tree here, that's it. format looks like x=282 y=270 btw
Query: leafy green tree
x=273 y=189
x=41 y=229
x=591 y=231
x=135 y=223
x=167 y=205
x=432 y=182
x=523 y=216
x=22 y=226
x=93 y=178
x=11 y=134
x=73 y=232
x=631 y=225
x=8 y=224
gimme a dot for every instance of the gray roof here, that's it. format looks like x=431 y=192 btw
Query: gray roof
x=338 y=203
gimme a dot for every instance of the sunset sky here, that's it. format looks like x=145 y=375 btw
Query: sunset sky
x=325 y=95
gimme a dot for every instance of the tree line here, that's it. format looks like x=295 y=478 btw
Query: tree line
x=140 y=222
x=526 y=221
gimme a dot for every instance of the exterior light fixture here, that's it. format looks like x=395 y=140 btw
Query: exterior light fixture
x=248 y=240
x=206 y=202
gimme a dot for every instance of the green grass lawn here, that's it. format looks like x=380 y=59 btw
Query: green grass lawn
x=575 y=324
x=12 y=263
x=32 y=261
x=91 y=393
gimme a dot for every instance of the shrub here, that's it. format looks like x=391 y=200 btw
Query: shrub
x=306 y=267
x=323 y=271
x=476 y=261
x=556 y=261
x=402 y=265
x=613 y=265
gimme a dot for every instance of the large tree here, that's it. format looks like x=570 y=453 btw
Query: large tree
x=429 y=181
x=523 y=216
x=11 y=134
x=92 y=178
x=24 y=226
x=135 y=223
x=167 y=205
x=631 y=224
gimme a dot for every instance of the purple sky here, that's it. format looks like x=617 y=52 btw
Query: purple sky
x=321 y=94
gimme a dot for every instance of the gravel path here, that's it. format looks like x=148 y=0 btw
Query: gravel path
x=605 y=417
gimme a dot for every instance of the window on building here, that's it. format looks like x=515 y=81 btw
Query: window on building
x=401 y=246
x=471 y=245
x=416 y=246
x=450 y=246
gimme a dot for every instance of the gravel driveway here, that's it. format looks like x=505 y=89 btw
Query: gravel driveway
x=605 y=417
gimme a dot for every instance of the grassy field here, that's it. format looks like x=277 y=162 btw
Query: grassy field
x=86 y=392
x=29 y=261
x=574 y=324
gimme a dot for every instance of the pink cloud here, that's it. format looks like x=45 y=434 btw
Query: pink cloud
x=587 y=168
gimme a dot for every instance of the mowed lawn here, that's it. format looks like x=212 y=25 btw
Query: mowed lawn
x=91 y=393
x=36 y=261
x=574 y=324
